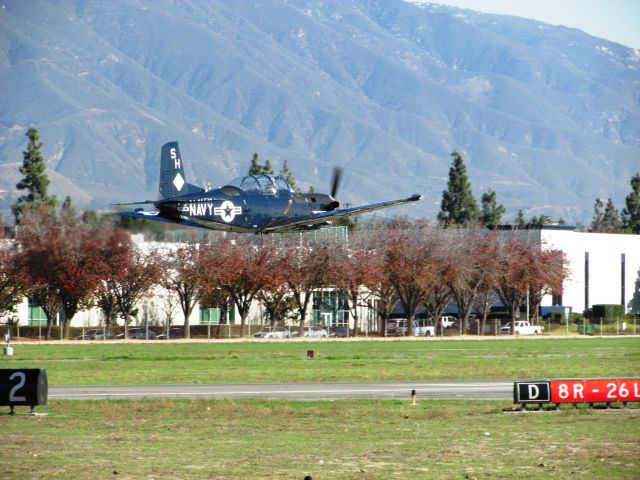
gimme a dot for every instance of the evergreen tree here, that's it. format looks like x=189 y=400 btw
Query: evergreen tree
x=596 y=223
x=35 y=179
x=267 y=169
x=256 y=167
x=458 y=205
x=491 y=211
x=519 y=221
x=288 y=176
x=631 y=211
x=611 y=220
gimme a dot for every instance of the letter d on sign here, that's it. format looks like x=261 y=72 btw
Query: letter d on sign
x=531 y=392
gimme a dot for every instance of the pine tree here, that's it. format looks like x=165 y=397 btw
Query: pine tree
x=611 y=220
x=596 y=223
x=256 y=167
x=35 y=179
x=458 y=205
x=288 y=176
x=631 y=211
x=267 y=169
x=491 y=211
x=519 y=221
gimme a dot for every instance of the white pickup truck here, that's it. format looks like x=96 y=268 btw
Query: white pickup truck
x=522 y=327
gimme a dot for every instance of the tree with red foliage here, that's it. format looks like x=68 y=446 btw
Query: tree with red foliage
x=13 y=282
x=275 y=294
x=241 y=268
x=548 y=269
x=475 y=254
x=66 y=259
x=514 y=259
x=408 y=268
x=183 y=274
x=131 y=278
x=383 y=296
x=351 y=267
x=306 y=270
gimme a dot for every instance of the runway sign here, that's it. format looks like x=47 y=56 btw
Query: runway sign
x=26 y=386
x=598 y=390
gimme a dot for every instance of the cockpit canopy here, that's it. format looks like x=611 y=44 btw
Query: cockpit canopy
x=261 y=184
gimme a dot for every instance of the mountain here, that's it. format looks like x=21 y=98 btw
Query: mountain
x=547 y=116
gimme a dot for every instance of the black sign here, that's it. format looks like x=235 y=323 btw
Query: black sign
x=531 y=392
x=27 y=386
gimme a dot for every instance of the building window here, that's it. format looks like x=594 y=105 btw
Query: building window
x=211 y=316
x=37 y=318
x=330 y=308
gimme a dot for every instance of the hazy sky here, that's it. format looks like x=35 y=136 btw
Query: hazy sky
x=615 y=20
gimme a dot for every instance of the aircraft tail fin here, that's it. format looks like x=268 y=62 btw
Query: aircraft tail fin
x=172 y=179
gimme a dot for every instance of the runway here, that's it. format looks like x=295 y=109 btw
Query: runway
x=433 y=390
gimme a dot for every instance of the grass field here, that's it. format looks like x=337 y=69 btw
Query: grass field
x=255 y=362
x=364 y=439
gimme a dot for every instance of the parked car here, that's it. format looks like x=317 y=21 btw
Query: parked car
x=421 y=327
x=522 y=327
x=315 y=331
x=139 y=333
x=447 y=321
x=276 y=332
x=96 y=334
x=338 y=331
x=174 y=332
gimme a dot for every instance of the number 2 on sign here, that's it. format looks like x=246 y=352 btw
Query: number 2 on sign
x=12 y=394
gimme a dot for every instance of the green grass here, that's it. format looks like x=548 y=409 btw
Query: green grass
x=255 y=439
x=255 y=362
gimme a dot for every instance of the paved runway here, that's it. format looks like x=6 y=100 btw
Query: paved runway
x=434 y=390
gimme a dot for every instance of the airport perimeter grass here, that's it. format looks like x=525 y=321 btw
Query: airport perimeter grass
x=104 y=363
x=277 y=439
x=256 y=439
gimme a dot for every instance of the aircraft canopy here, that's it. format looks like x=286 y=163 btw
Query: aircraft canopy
x=261 y=184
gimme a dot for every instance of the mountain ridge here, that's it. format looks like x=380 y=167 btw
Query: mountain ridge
x=549 y=117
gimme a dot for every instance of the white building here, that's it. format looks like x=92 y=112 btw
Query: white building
x=604 y=268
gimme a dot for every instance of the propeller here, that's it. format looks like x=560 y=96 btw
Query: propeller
x=335 y=183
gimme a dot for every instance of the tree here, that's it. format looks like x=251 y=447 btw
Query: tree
x=288 y=176
x=184 y=276
x=513 y=274
x=491 y=211
x=305 y=270
x=241 y=270
x=547 y=271
x=349 y=271
x=275 y=294
x=383 y=297
x=134 y=275
x=408 y=268
x=255 y=168
x=519 y=221
x=66 y=260
x=631 y=211
x=458 y=206
x=611 y=220
x=13 y=283
x=35 y=179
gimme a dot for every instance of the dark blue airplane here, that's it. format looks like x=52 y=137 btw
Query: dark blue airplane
x=254 y=203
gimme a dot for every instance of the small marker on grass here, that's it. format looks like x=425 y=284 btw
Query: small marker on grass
x=413 y=397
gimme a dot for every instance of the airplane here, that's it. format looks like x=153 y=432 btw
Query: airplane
x=250 y=204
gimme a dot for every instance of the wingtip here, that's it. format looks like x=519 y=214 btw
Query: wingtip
x=415 y=197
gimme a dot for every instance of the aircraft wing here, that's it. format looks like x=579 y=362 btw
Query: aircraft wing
x=309 y=221
x=149 y=215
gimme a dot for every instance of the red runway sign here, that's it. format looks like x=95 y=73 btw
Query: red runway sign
x=578 y=391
